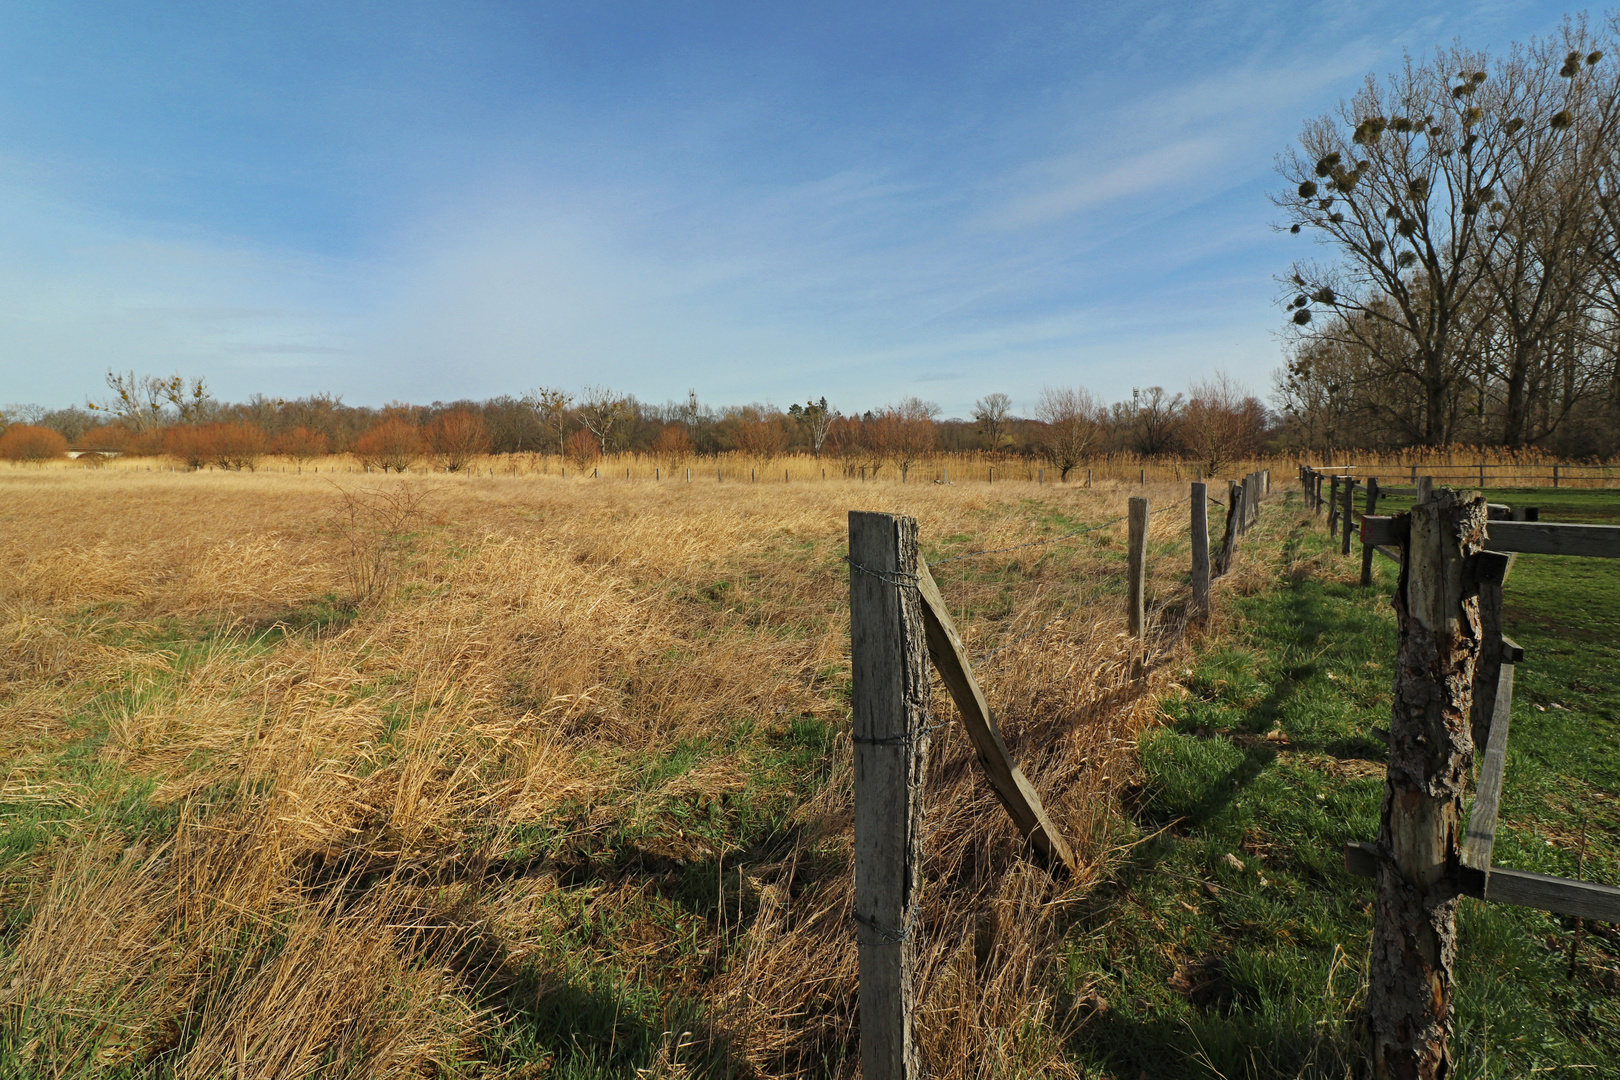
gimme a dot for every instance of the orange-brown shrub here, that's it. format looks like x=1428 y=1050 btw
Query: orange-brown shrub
x=186 y=444
x=106 y=437
x=300 y=444
x=583 y=448
x=395 y=444
x=456 y=438
x=229 y=445
x=26 y=442
x=236 y=445
x=764 y=439
x=672 y=444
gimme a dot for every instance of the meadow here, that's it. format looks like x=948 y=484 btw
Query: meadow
x=524 y=775
x=517 y=776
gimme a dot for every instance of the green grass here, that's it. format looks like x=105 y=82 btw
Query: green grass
x=1210 y=968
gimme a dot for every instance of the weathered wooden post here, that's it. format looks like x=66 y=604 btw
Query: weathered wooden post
x=1317 y=496
x=1367 y=549
x=1333 y=505
x=1234 y=517
x=889 y=669
x=1200 y=551
x=1137 y=567
x=1348 y=526
x=1414 y=943
x=1490 y=572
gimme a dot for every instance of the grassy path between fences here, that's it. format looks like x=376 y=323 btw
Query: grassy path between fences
x=1233 y=942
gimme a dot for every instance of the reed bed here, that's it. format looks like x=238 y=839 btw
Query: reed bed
x=1528 y=467
x=342 y=774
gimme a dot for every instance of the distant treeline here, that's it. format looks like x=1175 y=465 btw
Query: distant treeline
x=1213 y=422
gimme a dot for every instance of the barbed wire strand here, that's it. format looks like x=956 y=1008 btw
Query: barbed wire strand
x=1054 y=539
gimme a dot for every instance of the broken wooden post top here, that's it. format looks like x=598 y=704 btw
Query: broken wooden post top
x=1453 y=527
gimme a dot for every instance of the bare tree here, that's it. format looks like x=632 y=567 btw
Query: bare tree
x=1394 y=183
x=142 y=402
x=909 y=431
x=1154 y=419
x=601 y=411
x=816 y=417
x=1073 y=423
x=551 y=406
x=992 y=412
x=1222 y=422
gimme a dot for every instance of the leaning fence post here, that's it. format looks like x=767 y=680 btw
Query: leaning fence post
x=890 y=684
x=1367 y=549
x=1410 y=977
x=1348 y=525
x=1137 y=566
x=1200 y=551
x=1234 y=518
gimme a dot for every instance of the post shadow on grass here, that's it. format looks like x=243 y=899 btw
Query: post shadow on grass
x=588 y=1027
x=1221 y=1041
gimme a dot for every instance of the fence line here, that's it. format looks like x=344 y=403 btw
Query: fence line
x=898 y=615
x=1425 y=854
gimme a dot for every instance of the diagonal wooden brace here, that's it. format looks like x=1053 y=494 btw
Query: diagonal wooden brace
x=1006 y=779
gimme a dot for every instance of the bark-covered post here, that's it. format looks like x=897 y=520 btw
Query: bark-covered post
x=1136 y=568
x=889 y=668
x=1348 y=525
x=1367 y=549
x=1200 y=551
x=1234 y=512
x=1414 y=943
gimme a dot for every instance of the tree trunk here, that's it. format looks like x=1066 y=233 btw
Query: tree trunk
x=1431 y=749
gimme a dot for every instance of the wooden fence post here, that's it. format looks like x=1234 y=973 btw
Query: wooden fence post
x=1317 y=493
x=1367 y=549
x=891 y=686
x=1349 y=523
x=1414 y=944
x=1333 y=505
x=1234 y=514
x=1491 y=572
x=1137 y=567
x=1200 y=551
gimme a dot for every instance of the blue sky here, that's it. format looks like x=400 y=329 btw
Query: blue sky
x=763 y=201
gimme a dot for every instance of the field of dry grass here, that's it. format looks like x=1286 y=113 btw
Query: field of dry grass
x=343 y=774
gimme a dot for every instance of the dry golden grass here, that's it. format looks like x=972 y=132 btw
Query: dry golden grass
x=272 y=814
